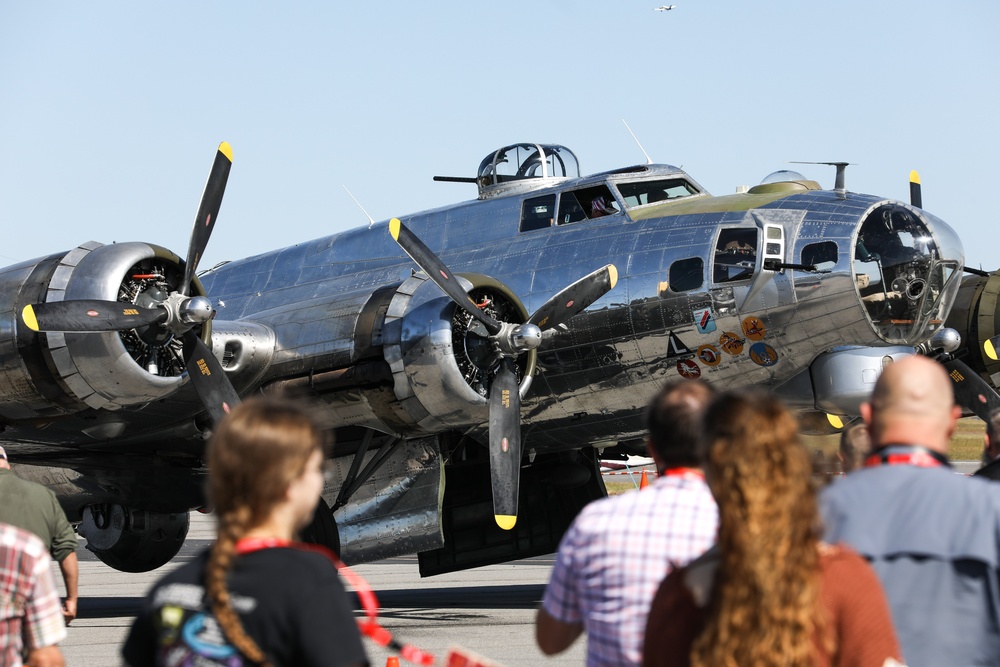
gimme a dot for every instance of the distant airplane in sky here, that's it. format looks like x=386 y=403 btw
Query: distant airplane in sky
x=664 y=8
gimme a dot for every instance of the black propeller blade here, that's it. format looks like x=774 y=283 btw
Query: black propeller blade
x=971 y=391
x=915 y=196
x=208 y=211
x=575 y=298
x=439 y=273
x=510 y=340
x=209 y=379
x=86 y=315
x=505 y=444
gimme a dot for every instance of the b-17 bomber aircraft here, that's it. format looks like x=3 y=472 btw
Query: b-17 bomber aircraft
x=474 y=361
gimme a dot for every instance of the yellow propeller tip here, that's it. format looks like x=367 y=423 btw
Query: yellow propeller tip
x=914 y=177
x=505 y=521
x=613 y=274
x=226 y=150
x=991 y=351
x=394 y=228
x=835 y=421
x=28 y=315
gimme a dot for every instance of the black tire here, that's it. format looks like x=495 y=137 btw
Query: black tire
x=146 y=549
x=322 y=530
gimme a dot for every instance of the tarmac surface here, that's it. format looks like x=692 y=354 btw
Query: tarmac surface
x=489 y=610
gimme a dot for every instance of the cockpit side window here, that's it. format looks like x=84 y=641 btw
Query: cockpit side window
x=569 y=209
x=538 y=212
x=735 y=254
x=589 y=203
x=651 y=192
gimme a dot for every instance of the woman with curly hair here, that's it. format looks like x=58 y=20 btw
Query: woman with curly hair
x=256 y=597
x=769 y=593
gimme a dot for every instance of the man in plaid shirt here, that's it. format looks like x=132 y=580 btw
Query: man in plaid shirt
x=618 y=550
x=31 y=618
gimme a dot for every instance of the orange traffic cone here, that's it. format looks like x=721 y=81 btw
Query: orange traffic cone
x=643 y=482
x=392 y=661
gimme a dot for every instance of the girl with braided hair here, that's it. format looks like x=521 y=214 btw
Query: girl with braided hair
x=769 y=593
x=256 y=597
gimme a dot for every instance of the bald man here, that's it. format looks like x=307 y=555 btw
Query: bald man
x=932 y=536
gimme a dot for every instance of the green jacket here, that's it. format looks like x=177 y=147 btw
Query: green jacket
x=34 y=508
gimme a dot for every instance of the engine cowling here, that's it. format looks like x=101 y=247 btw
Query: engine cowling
x=976 y=316
x=98 y=370
x=441 y=361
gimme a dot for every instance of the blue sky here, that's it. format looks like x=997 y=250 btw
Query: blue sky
x=111 y=111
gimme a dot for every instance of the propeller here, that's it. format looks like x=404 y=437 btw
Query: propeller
x=916 y=198
x=178 y=314
x=509 y=340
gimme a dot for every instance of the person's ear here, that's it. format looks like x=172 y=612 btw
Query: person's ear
x=866 y=414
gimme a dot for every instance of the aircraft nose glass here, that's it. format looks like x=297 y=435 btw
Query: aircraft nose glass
x=905 y=283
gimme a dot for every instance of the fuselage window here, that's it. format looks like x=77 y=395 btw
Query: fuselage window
x=588 y=203
x=687 y=274
x=735 y=255
x=651 y=192
x=537 y=212
x=822 y=255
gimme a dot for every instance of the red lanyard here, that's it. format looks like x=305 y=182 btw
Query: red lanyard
x=684 y=473
x=898 y=455
x=369 y=627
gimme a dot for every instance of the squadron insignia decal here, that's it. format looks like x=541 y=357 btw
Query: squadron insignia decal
x=689 y=369
x=753 y=328
x=709 y=355
x=731 y=343
x=763 y=354
x=704 y=319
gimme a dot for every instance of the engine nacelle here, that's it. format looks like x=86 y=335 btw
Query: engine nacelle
x=976 y=316
x=440 y=357
x=97 y=370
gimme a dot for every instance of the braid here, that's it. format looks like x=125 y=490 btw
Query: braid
x=232 y=526
x=256 y=452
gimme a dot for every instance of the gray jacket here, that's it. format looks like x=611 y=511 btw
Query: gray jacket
x=933 y=538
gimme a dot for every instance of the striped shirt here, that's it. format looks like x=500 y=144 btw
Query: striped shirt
x=612 y=559
x=30 y=609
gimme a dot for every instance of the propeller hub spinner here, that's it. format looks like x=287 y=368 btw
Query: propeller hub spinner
x=196 y=310
x=526 y=337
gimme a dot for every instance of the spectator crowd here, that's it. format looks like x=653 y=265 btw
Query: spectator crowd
x=896 y=563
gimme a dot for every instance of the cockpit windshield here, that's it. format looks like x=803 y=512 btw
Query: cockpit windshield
x=904 y=281
x=651 y=192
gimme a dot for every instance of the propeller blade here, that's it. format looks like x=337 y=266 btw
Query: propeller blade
x=208 y=211
x=915 y=196
x=439 y=273
x=214 y=388
x=971 y=391
x=89 y=315
x=575 y=298
x=505 y=444
x=991 y=346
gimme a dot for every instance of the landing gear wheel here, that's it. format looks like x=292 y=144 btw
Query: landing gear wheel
x=322 y=530
x=133 y=540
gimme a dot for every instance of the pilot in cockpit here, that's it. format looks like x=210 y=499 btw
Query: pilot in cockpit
x=600 y=207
